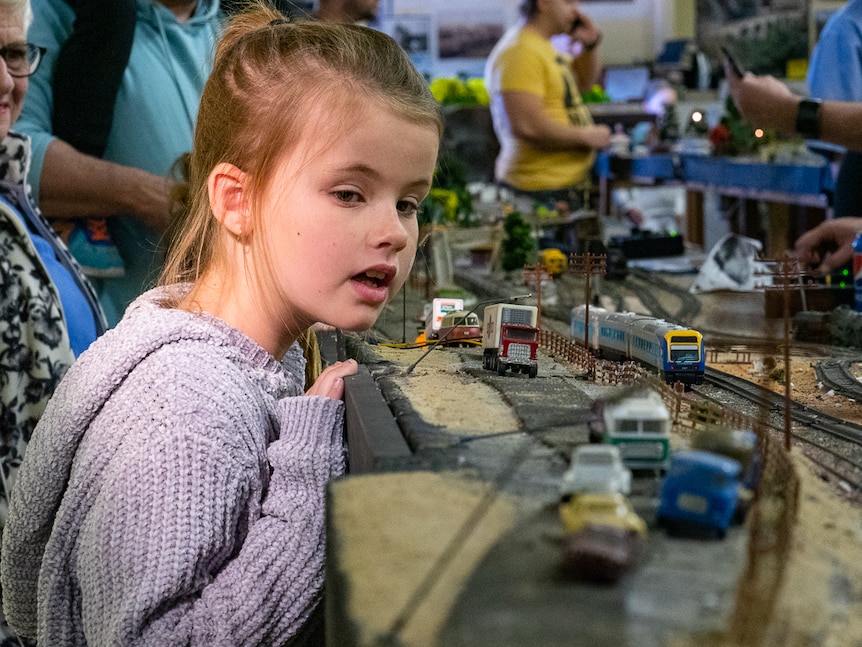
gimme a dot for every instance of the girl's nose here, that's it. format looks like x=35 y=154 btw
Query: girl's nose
x=393 y=230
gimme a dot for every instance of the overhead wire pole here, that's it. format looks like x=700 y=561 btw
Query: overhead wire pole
x=587 y=265
x=788 y=266
x=533 y=276
x=787 y=271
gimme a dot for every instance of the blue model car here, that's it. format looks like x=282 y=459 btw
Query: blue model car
x=700 y=493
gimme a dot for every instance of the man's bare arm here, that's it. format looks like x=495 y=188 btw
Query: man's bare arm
x=530 y=123
x=585 y=64
x=74 y=184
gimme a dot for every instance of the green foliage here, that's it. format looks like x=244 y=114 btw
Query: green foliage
x=669 y=124
x=460 y=91
x=595 y=94
x=734 y=135
x=449 y=200
x=517 y=244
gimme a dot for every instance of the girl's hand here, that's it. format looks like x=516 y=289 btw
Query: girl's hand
x=331 y=381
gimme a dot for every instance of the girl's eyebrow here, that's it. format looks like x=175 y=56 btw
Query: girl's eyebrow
x=362 y=169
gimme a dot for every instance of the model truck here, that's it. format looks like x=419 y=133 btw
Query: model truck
x=510 y=339
x=440 y=307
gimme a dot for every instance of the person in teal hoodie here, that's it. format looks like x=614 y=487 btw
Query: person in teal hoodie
x=152 y=125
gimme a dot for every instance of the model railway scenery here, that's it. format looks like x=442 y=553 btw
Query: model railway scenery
x=685 y=460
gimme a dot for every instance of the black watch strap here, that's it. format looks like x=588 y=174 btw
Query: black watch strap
x=808 y=118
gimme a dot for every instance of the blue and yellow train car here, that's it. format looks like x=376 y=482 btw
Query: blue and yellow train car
x=674 y=351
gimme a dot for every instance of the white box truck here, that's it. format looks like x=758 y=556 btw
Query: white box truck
x=510 y=339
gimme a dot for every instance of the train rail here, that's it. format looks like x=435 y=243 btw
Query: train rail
x=835 y=445
x=837 y=374
x=689 y=305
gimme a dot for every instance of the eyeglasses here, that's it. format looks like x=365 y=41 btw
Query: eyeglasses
x=22 y=59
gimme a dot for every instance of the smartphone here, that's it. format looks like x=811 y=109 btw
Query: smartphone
x=734 y=65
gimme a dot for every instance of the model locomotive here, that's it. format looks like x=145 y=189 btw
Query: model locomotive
x=674 y=351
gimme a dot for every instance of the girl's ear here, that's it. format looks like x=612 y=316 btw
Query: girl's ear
x=228 y=194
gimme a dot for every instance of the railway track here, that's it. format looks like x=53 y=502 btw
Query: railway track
x=689 y=304
x=835 y=445
x=837 y=374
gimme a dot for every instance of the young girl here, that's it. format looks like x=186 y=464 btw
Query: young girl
x=173 y=492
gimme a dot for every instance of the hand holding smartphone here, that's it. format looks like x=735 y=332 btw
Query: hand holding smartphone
x=734 y=65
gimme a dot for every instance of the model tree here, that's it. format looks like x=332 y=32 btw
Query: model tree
x=517 y=243
x=669 y=124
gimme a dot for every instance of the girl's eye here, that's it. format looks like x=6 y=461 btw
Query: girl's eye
x=348 y=197
x=407 y=207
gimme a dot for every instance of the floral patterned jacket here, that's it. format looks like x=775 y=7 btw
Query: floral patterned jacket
x=35 y=351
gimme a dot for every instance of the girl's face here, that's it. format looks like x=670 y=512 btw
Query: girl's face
x=340 y=221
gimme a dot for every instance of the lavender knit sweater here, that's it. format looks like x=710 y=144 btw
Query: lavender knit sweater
x=173 y=492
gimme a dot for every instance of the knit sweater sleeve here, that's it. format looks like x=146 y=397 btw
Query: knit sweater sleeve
x=188 y=548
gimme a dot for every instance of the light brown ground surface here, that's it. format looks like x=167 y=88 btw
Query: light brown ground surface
x=395 y=529
x=821 y=597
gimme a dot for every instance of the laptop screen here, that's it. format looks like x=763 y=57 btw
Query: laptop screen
x=626 y=83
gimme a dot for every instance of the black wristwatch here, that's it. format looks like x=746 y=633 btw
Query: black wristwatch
x=808 y=118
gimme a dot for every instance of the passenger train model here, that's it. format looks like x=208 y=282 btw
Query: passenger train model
x=674 y=351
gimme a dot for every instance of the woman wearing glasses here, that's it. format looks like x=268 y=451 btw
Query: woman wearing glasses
x=48 y=312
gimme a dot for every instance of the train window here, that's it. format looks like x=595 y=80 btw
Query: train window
x=685 y=353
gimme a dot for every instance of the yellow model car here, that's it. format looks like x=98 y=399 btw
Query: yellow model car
x=554 y=260
x=600 y=509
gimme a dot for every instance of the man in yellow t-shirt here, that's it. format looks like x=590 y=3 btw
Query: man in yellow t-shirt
x=547 y=136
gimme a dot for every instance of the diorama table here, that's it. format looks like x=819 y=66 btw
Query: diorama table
x=797 y=196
